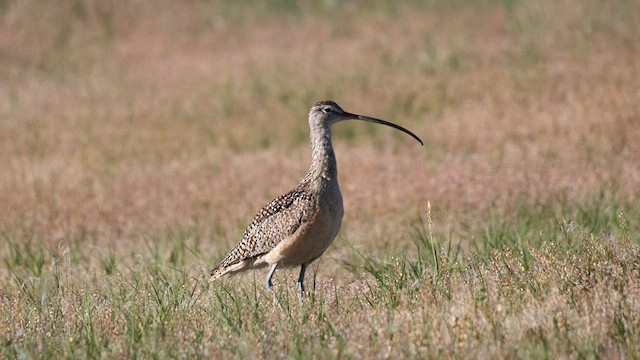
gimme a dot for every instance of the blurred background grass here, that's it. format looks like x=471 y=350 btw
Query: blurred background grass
x=529 y=99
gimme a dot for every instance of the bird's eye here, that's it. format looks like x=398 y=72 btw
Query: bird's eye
x=326 y=110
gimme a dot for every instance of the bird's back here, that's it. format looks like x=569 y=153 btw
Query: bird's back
x=282 y=218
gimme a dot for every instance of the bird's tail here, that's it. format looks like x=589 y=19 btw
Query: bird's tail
x=217 y=272
x=229 y=269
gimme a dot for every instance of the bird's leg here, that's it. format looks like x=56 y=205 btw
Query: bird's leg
x=303 y=268
x=267 y=282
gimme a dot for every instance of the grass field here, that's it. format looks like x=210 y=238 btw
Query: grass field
x=138 y=139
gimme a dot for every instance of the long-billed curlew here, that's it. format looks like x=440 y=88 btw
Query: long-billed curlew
x=297 y=227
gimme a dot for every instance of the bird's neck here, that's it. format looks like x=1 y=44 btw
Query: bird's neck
x=323 y=159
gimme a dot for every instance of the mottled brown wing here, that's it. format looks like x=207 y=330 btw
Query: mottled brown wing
x=275 y=222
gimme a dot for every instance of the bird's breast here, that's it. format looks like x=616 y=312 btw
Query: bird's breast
x=326 y=225
x=330 y=212
x=314 y=237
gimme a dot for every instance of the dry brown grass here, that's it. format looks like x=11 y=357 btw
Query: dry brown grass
x=133 y=128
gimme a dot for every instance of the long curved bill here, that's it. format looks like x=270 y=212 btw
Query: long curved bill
x=381 y=122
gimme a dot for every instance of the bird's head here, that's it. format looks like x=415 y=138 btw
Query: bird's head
x=326 y=113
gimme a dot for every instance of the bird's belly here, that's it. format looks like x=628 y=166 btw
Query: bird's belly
x=314 y=238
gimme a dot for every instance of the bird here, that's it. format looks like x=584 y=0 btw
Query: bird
x=296 y=228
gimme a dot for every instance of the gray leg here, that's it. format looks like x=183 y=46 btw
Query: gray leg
x=303 y=268
x=267 y=282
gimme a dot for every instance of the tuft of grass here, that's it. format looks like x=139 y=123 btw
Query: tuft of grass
x=109 y=263
x=25 y=255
